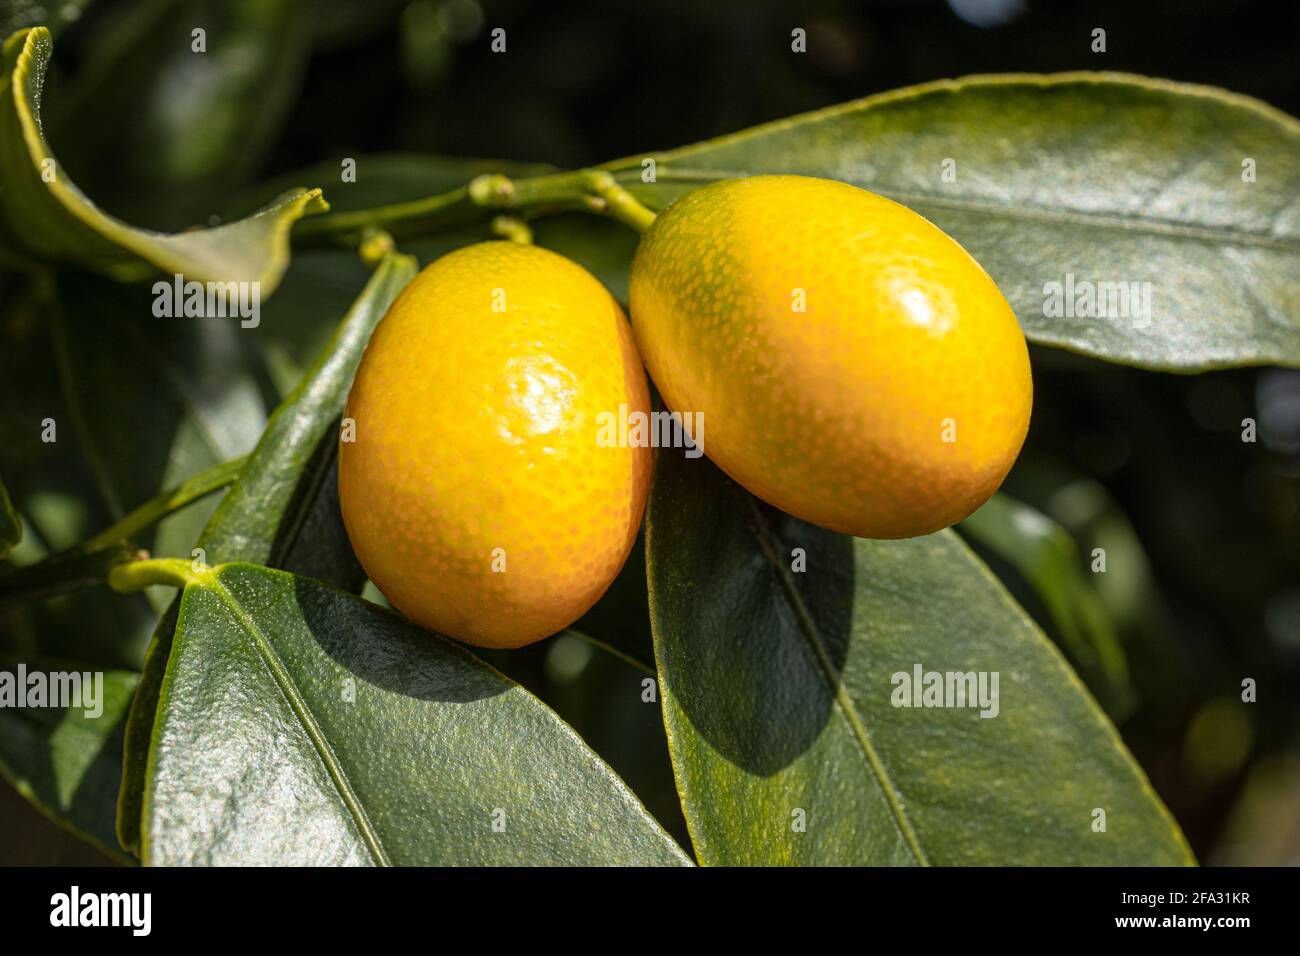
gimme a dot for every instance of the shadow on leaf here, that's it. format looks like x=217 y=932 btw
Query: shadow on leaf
x=761 y=605
x=379 y=647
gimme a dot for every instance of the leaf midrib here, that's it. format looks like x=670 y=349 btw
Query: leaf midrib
x=843 y=702
x=293 y=696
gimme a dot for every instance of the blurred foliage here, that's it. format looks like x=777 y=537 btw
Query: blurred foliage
x=1201 y=530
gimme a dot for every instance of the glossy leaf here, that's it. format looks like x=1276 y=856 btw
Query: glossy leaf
x=46 y=213
x=779 y=696
x=283 y=510
x=68 y=761
x=610 y=698
x=302 y=725
x=1105 y=178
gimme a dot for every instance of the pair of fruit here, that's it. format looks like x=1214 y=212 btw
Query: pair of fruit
x=854 y=366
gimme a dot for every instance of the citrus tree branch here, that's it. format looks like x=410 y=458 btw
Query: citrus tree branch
x=155 y=509
x=584 y=190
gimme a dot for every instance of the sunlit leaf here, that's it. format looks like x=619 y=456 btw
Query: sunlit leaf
x=356 y=738
x=1075 y=179
x=46 y=213
x=783 y=686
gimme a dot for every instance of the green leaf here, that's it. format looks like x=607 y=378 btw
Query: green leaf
x=282 y=512
x=602 y=693
x=65 y=761
x=1047 y=557
x=779 y=688
x=48 y=215
x=11 y=528
x=1106 y=177
x=1168 y=672
x=357 y=738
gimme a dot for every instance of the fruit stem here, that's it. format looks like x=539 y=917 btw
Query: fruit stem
x=375 y=244
x=619 y=203
x=588 y=190
x=512 y=228
x=137 y=575
x=585 y=190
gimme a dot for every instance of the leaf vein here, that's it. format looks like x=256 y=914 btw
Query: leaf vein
x=293 y=696
x=843 y=702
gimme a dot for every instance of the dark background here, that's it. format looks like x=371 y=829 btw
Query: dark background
x=1144 y=464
